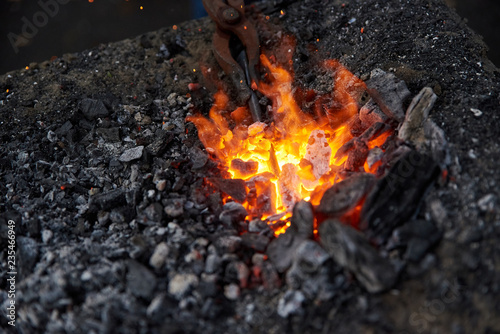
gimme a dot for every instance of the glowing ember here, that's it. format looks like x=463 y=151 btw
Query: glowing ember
x=294 y=156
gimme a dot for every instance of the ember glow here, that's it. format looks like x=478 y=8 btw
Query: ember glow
x=296 y=154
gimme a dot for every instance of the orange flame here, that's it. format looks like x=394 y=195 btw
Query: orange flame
x=293 y=157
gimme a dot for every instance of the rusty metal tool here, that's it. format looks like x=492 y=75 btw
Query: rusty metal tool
x=240 y=65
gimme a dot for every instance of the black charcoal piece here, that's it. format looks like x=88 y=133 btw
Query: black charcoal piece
x=141 y=282
x=302 y=221
x=417 y=114
x=232 y=187
x=110 y=199
x=389 y=92
x=255 y=241
x=93 y=109
x=351 y=250
x=345 y=195
x=396 y=197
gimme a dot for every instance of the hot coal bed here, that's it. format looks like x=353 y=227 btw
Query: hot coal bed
x=123 y=218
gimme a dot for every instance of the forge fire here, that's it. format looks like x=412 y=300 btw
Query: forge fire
x=301 y=151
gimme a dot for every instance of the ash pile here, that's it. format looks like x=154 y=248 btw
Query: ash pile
x=116 y=231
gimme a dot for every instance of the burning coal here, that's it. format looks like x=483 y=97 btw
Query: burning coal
x=299 y=153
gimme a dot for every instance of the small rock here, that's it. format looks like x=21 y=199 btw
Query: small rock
x=175 y=207
x=487 y=203
x=51 y=136
x=171 y=99
x=476 y=112
x=157 y=146
x=161 y=184
x=238 y=271
x=46 y=236
x=291 y=303
x=141 y=282
x=131 y=154
x=139 y=245
x=198 y=157
x=177 y=234
x=228 y=244
x=232 y=291
x=103 y=217
x=158 y=307
x=117 y=216
x=154 y=212
x=181 y=284
x=159 y=257
x=212 y=264
x=438 y=213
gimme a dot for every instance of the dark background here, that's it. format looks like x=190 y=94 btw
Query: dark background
x=81 y=24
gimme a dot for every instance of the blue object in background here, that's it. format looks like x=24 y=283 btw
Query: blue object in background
x=197 y=9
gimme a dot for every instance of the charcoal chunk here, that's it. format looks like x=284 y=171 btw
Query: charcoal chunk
x=302 y=221
x=232 y=187
x=110 y=199
x=198 y=157
x=417 y=113
x=389 y=93
x=232 y=213
x=345 y=195
x=93 y=109
x=131 y=154
x=370 y=113
x=245 y=168
x=351 y=250
x=64 y=129
x=396 y=197
x=181 y=284
x=311 y=271
x=255 y=241
x=111 y=135
x=418 y=236
x=228 y=244
x=280 y=251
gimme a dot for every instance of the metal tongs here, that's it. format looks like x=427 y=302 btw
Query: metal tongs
x=239 y=63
